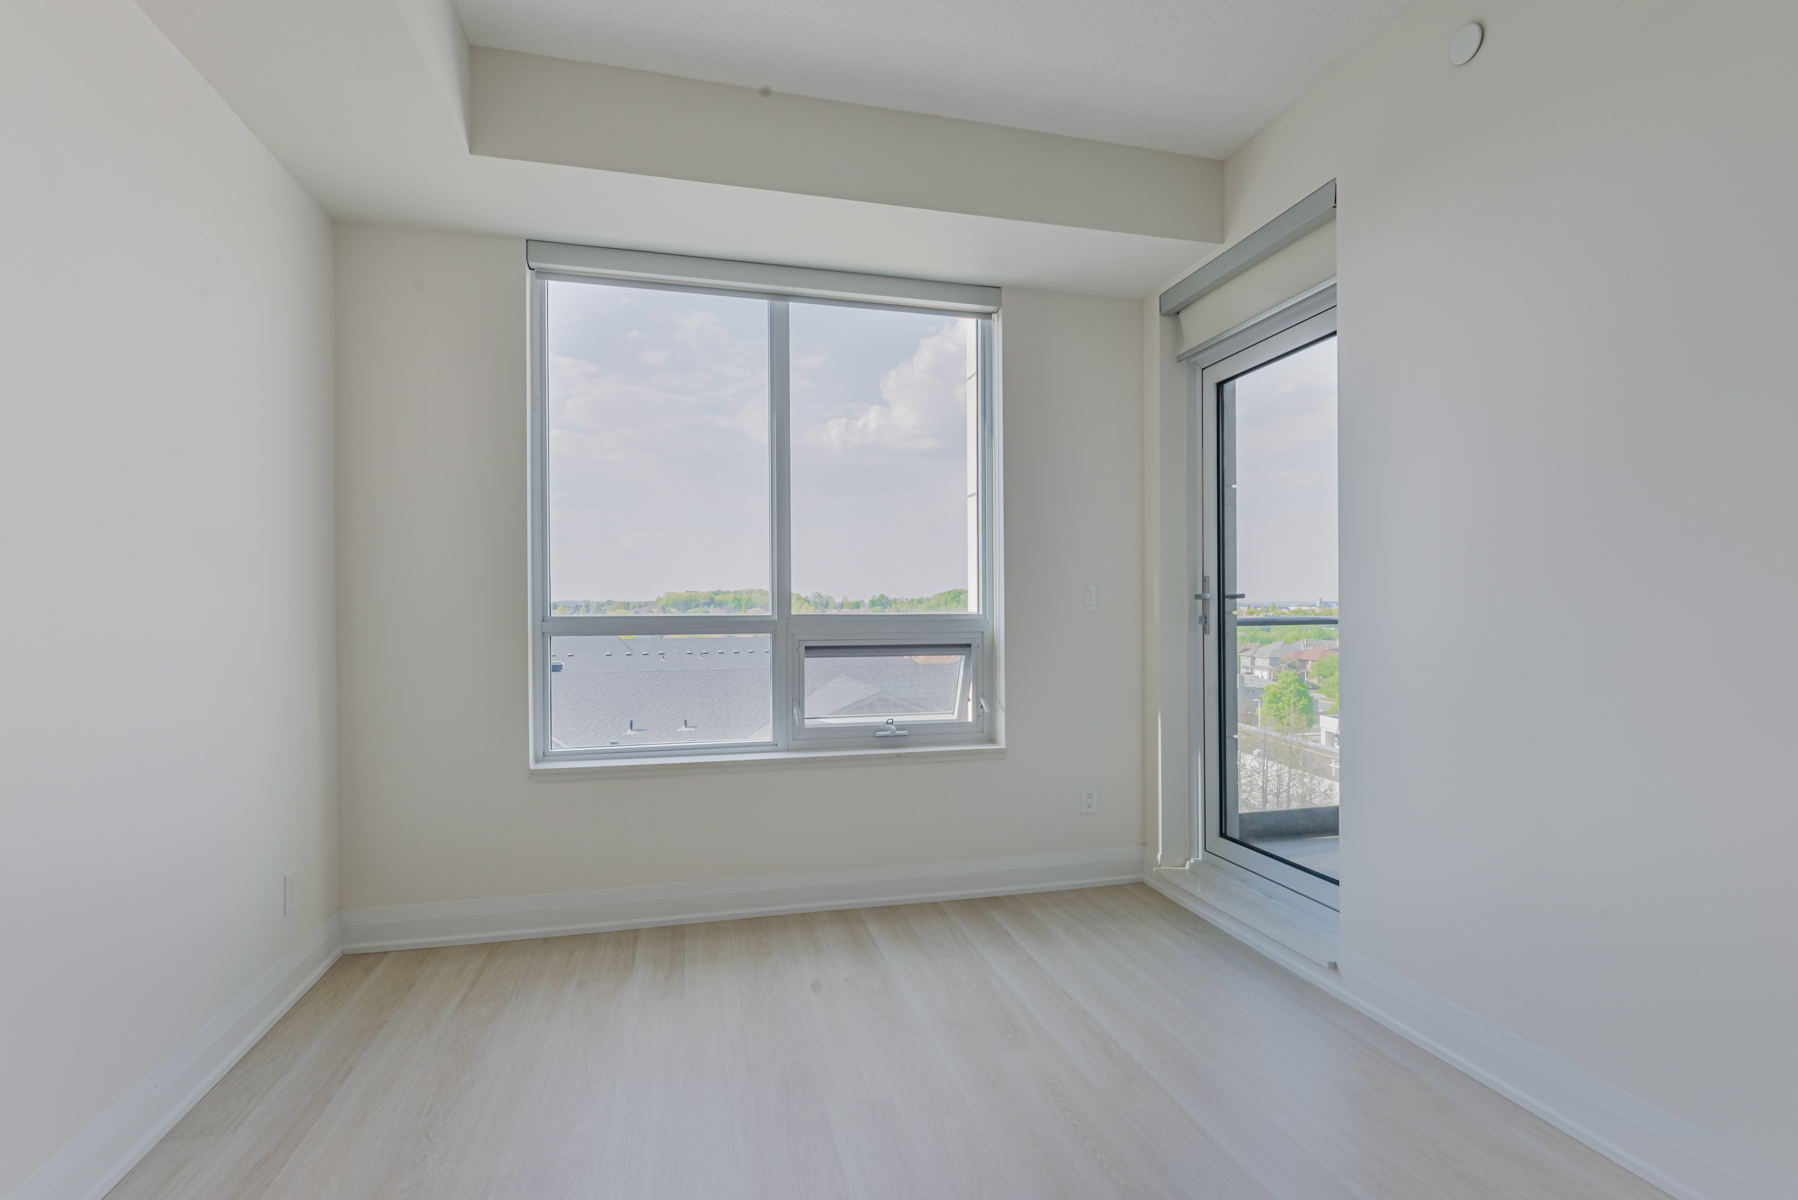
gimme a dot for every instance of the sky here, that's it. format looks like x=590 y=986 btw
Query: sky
x=658 y=442
x=880 y=451
x=1286 y=478
x=658 y=446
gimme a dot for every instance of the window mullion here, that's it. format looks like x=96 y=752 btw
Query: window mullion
x=779 y=389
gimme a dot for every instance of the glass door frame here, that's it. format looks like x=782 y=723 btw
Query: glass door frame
x=1303 y=321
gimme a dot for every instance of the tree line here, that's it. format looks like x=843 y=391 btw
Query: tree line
x=954 y=600
x=754 y=601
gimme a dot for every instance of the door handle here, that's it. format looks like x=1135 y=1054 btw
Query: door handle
x=1204 y=599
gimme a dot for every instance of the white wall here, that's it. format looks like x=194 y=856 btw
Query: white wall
x=1568 y=417
x=431 y=521
x=166 y=715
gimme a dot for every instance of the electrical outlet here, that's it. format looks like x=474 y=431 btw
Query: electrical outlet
x=1089 y=597
x=290 y=892
x=1089 y=799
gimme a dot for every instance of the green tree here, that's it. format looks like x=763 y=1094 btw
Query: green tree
x=1329 y=679
x=1286 y=705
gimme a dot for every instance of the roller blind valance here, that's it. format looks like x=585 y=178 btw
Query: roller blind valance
x=1315 y=210
x=769 y=278
x=1270 y=283
x=1291 y=254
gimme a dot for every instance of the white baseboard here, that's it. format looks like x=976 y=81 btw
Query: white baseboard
x=100 y=1155
x=1676 y=1157
x=509 y=918
x=1681 y=1160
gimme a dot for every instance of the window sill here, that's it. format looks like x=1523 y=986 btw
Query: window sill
x=624 y=768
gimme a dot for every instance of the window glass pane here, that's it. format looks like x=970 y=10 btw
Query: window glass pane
x=661 y=690
x=861 y=685
x=884 y=463
x=658 y=451
x=1280 y=551
x=1288 y=788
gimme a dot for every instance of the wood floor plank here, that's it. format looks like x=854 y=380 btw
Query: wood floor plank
x=1080 y=1045
x=1253 y=1077
x=1363 y=1085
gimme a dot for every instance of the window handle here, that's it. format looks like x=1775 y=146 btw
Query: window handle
x=1235 y=595
x=892 y=730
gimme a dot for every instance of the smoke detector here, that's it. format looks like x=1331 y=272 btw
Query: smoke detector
x=1466 y=44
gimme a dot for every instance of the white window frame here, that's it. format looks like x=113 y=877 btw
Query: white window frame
x=1307 y=318
x=789 y=632
x=916 y=633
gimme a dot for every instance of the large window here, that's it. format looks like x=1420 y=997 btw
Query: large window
x=1268 y=610
x=762 y=520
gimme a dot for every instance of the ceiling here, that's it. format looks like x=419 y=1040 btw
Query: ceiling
x=367 y=103
x=1190 y=76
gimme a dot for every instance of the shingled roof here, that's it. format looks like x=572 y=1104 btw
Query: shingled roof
x=671 y=690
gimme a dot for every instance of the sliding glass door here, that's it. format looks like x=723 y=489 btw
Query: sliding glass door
x=1266 y=602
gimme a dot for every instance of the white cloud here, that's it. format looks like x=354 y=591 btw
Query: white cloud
x=658 y=458
x=880 y=487
x=925 y=402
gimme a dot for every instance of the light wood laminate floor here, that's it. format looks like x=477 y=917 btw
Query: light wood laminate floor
x=1079 y=1044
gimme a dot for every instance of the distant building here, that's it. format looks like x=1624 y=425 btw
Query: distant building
x=1306 y=660
x=1268 y=660
x=1248 y=699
